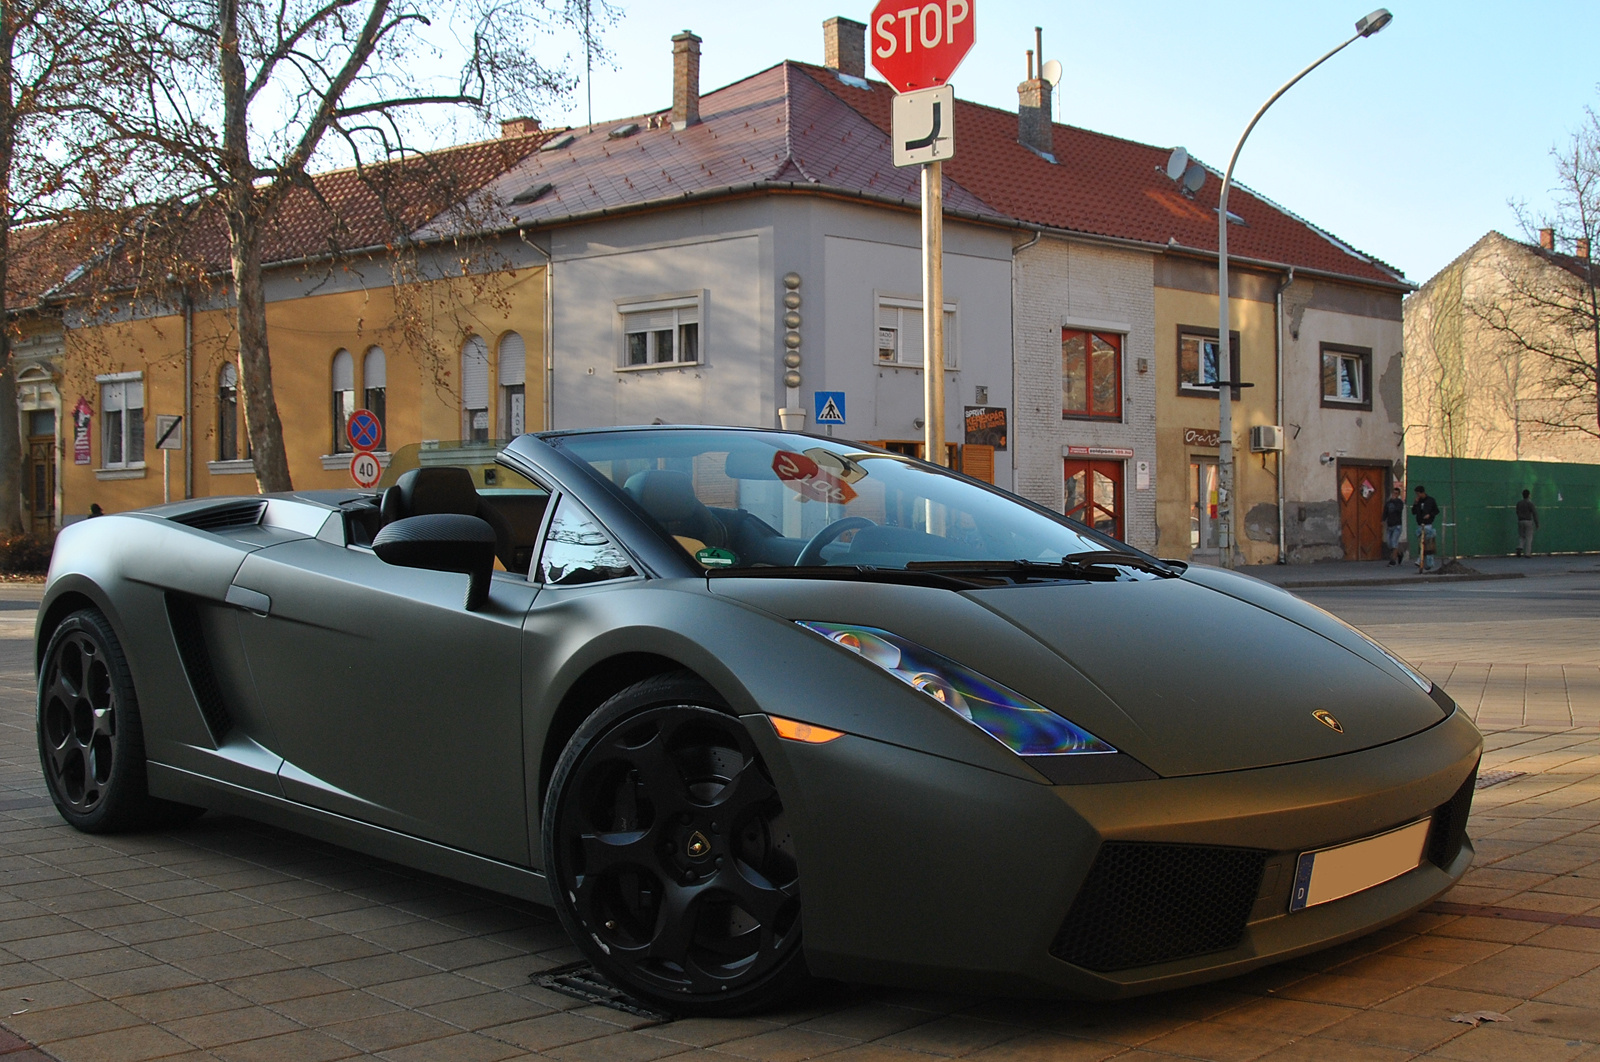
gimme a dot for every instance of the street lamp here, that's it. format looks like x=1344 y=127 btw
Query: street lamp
x=1365 y=28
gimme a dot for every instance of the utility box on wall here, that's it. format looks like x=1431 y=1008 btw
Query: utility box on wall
x=1266 y=438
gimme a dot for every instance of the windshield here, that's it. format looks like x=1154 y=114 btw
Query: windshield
x=749 y=499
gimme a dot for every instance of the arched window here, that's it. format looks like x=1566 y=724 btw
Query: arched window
x=375 y=387
x=344 y=398
x=475 y=390
x=228 y=413
x=513 y=385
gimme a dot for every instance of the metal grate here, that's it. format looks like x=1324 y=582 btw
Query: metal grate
x=1449 y=831
x=580 y=981
x=1150 y=903
x=184 y=615
x=228 y=514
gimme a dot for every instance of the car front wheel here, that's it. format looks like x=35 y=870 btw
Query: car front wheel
x=669 y=856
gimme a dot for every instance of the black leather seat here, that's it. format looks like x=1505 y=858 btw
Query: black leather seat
x=447 y=489
x=669 y=497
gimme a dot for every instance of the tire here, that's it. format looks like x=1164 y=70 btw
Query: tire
x=91 y=745
x=668 y=856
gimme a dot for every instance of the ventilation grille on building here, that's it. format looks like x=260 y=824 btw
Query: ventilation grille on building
x=227 y=514
x=1149 y=903
x=1449 y=830
x=184 y=615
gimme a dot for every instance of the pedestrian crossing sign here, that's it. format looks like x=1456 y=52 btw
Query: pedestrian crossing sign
x=830 y=407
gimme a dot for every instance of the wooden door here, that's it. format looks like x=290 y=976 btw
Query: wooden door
x=1094 y=494
x=40 y=487
x=1361 y=494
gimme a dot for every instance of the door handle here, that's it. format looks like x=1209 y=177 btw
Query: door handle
x=249 y=600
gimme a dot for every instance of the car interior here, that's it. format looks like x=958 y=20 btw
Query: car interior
x=515 y=516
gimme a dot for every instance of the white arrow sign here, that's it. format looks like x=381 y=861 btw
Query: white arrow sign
x=923 y=126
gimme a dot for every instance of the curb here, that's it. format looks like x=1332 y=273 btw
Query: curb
x=1399 y=580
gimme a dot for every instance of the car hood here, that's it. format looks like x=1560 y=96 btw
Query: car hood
x=1219 y=682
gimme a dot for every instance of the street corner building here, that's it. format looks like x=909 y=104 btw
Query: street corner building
x=749 y=255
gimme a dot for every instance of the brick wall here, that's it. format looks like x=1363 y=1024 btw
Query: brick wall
x=1056 y=282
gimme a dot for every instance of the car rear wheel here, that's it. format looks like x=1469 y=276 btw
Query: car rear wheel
x=91 y=745
x=668 y=853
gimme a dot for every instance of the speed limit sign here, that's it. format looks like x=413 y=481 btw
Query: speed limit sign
x=365 y=470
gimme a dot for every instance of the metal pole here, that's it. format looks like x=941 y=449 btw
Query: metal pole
x=933 y=313
x=1224 y=349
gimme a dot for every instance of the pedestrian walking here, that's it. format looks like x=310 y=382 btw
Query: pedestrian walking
x=1394 y=526
x=1527 y=522
x=1425 y=511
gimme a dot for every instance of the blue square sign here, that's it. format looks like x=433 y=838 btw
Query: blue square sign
x=830 y=407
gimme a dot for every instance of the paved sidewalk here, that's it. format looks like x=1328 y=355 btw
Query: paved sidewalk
x=1380 y=573
x=234 y=941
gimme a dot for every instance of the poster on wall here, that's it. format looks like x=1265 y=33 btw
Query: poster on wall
x=82 y=415
x=986 y=426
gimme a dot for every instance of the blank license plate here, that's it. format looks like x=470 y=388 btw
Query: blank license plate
x=1334 y=873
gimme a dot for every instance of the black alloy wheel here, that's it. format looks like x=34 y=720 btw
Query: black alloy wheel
x=669 y=856
x=91 y=747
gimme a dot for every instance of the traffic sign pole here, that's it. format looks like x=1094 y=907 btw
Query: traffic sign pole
x=933 y=313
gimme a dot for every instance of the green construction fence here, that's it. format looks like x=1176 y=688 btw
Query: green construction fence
x=1480 y=499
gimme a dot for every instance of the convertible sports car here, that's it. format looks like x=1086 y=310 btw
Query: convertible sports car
x=748 y=706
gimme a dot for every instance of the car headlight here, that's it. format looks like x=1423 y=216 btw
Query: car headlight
x=1021 y=725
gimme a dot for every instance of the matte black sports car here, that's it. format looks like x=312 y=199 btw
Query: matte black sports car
x=748 y=706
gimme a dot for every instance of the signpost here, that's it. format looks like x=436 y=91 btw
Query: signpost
x=916 y=48
x=168 y=439
x=365 y=432
x=829 y=407
x=365 y=470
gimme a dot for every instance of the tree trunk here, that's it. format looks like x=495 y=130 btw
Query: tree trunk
x=10 y=421
x=255 y=362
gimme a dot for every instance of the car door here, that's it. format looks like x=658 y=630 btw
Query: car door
x=391 y=702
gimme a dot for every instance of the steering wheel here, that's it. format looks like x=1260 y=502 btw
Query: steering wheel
x=812 y=553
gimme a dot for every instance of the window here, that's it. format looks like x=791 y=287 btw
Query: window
x=513 y=384
x=344 y=398
x=1091 y=374
x=577 y=549
x=900 y=333
x=475 y=390
x=375 y=388
x=122 y=423
x=664 y=332
x=228 y=413
x=1346 y=376
x=1198 y=364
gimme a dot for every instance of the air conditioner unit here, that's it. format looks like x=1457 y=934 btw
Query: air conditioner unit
x=1265 y=438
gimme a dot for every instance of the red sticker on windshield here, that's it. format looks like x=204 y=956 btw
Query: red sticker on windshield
x=803 y=476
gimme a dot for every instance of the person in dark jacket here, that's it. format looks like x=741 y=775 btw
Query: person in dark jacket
x=1394 y=526
x=1425 y=511
x=1527 y=522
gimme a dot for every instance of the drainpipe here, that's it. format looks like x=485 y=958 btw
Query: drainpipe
x=188 y=395
x=549 y=332
x=1283 y=552
x=1037 y=236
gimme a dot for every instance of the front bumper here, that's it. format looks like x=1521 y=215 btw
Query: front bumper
x=922 y=871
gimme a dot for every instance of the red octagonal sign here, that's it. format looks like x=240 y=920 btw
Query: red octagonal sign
x=918 y=44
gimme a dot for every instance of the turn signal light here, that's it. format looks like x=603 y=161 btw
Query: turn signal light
x=807 y=732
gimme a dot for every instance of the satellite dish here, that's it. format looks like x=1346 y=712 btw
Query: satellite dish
x=1177 y=163
x=1051 y=72
x=1194 y=177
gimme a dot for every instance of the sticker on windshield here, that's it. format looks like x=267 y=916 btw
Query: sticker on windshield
x=805 y=477
x=716 y=557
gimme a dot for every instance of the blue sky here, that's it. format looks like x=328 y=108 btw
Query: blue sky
x=1406 y=145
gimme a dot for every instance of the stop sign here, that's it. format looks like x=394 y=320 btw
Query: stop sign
x=917 y=44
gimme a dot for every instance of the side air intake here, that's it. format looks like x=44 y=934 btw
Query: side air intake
x=184 y=615
x=214 y=518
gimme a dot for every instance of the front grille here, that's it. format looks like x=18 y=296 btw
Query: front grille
x=1449 y=831
x=1149 y=903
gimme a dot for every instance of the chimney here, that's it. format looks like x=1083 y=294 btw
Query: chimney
x=1580 y=247
x=510 y=127
x=685 y=80
x=844 y=46
x=1547 y=239
x=1033 y=113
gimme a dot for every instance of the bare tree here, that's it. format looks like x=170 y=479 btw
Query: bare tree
x=232 y=102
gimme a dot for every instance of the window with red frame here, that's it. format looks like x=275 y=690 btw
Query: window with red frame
x=1091 y=375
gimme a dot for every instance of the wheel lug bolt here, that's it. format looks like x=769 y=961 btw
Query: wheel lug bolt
x=610 y=924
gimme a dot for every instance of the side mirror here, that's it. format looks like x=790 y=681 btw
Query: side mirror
x=444 y=542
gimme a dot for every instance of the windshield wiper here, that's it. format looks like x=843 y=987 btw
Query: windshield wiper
x=1091 y=564
x=961 y=577
x=1118 y=557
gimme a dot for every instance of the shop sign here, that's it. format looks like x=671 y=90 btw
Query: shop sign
x=986 y=426
x=1201 y=437
x=1099 y=451
x=82 y=415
